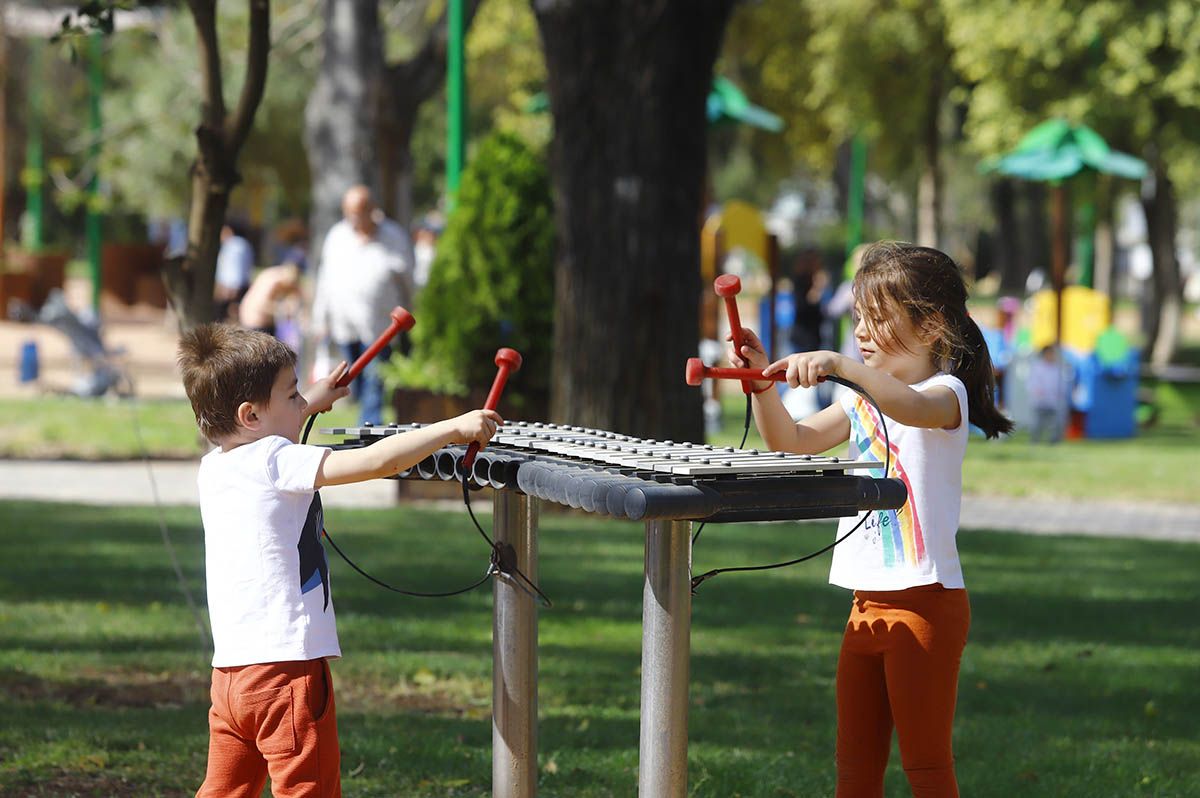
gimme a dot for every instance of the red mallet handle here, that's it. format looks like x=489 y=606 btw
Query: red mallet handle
x=696 y=372
x=507 y=361
x=402 y=321
x=728 y=286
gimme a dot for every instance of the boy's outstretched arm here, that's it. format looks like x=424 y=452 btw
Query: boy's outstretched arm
x=395 y=453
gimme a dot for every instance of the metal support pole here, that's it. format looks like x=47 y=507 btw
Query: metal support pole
x=666 y=644
x=514 y=653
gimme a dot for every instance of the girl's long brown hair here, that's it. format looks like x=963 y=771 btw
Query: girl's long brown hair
x=928 y=287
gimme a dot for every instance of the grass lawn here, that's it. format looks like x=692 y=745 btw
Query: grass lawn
x=1079 y=679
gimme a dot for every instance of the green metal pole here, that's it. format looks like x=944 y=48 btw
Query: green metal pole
x=854 y=206
x=456 y=99
x=35 y=166
x=94 y=231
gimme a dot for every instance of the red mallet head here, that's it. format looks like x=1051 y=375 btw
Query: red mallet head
x=727 y=285
x=697 y=372
x=507 y=361
x=403 y=319
x=508 y=357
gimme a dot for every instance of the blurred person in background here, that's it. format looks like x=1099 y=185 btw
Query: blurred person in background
x=235 y=263
x=273 y=297
x=366 y=269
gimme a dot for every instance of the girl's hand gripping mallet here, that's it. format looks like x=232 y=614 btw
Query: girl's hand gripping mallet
x=696 y=372
x=402 y=321
x=507 y=361
x=728 y=286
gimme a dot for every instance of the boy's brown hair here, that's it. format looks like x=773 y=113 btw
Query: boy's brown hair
x=224 y=366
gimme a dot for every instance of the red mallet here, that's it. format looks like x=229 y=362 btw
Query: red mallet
x=402 y=321
x=728 y=286
x=696 y=372
x=507 y=361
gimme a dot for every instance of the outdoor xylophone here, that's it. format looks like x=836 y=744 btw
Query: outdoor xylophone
x=665 y=484
x=640 y=480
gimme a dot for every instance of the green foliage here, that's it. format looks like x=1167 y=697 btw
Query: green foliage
x=884 y=78
x=492 y=282
x=1129 y=70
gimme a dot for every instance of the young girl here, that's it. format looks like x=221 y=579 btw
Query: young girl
x=926 y=364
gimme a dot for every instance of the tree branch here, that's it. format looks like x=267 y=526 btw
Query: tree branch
x=204 y=14
x=415 y=80
x=238 y=126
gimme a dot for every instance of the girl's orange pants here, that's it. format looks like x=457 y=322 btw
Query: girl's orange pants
x=273 y=719
x=898 y=668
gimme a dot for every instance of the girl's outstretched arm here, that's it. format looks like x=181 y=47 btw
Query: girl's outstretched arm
x=936 y=408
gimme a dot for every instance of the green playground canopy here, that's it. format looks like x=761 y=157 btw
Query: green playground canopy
x=1056 y=150
x=728 y=103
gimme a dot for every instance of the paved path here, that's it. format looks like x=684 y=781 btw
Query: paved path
x=131 y=483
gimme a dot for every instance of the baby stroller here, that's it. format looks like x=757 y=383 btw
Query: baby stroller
x=105 y=371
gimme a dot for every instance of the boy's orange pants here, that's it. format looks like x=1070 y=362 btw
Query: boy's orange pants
x=273 y=719
x=899 y=668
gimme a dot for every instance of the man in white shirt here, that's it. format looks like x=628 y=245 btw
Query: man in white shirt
x=235 y=262
x=366 y=270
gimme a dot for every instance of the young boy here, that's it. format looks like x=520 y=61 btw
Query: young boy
x=268 y=584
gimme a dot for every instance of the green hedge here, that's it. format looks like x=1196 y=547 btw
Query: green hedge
x=492 y=283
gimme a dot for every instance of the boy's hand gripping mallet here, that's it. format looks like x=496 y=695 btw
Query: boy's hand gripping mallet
x=507 y=361
x=402 y=321
x=728 y=286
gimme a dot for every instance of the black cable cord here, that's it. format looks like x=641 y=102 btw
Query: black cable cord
x=742 y=445
x=493 y=565
x=887 y=465
x=504 y=556
x=491 y=570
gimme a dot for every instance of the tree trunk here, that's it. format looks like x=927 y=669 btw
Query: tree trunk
x=628 y=82
x=1035 y=241
x=219 y=138
x=929 y=186
x=1006 y=242
x=1105 y=242
x=341 y=115
x=1162 y=221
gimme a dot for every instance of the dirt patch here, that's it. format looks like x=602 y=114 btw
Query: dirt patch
x=76 y=785
x=133 y=689
x=447 y=700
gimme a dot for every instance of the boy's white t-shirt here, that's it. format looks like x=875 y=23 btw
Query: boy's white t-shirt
x=268 y=582
x=915 y=545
